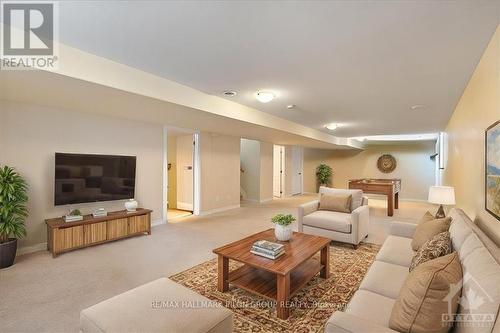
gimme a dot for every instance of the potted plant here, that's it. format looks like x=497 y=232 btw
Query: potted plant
x=283 y=226
x=324 y=174
x=13 y=213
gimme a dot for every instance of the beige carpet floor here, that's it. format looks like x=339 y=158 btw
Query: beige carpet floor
x=43 y=294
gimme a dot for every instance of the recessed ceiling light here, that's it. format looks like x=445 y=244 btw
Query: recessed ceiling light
x=417 y=107
x=332 y=126
x=291 y=106
x=229 y=93
x=264 y=96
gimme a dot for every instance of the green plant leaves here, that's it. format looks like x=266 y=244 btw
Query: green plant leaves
x=282 y=219
x=13 y=200
x=323 y=173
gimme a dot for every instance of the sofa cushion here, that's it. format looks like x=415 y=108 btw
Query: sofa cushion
x=357 y=195
x=328 y=220
x=423 y=300
x=396 y=250
x=438 y=246
x=335 y=202
x=459 y=231
x=371 y=307
x=427 y=229
x=158 y=306
x=480 y=291
x=384 y=279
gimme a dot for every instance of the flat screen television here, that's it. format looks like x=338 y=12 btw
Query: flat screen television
x=81 y=178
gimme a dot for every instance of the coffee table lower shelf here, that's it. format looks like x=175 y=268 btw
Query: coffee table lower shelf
x=264 y=283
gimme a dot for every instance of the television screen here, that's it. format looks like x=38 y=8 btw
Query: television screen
x=83 y=178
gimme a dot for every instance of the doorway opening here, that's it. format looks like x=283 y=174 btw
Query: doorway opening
x=180 y=173
x=278 y=171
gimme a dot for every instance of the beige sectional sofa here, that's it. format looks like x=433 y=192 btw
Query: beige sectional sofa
x=158 y=306
x=370 y=308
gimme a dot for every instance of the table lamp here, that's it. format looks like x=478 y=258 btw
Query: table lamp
x=441 y=195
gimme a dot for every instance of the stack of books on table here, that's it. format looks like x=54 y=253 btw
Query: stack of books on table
x=268 y=249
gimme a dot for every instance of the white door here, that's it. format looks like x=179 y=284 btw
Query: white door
x=277 y=170
x=297 y=166
x=185 y=172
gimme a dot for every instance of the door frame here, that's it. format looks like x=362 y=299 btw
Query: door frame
x=196 y=174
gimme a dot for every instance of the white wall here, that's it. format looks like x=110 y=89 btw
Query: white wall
x=250 y=163
x=33 y=134
x=266 y=171
x=415 y=168
x=220 y=172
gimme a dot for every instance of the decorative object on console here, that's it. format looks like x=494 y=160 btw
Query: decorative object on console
x=73 y=216
x=441 y=195
x=324 y=174
x=131 y=205
x=13 y=213
x=100 y=212
x=492 y=168
x=282 y=226
x=386 y=163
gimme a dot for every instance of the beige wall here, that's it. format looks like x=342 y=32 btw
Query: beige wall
x=477 y=109
x=220 y=171
x=33 y=134
x=266 y=171
x=250 y=163
x=415 y=168
x=172 y=173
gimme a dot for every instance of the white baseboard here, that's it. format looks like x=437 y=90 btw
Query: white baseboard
x=184 y=206
x=156 y=222
x=266 y=200
x=383 y=197
x=30 y=249
x=218 y=210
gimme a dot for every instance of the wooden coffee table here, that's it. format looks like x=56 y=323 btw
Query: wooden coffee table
x=277 y=279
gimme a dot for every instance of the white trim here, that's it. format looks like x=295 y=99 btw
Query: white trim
x=164 y=196
x=156 y=222
x=184 y=206
x=30 y=249
x=266 y=200
x=381 y=196
x=197 y=175
x=218 y=210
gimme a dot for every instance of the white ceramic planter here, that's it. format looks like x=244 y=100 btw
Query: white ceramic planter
x=131 y=205
x=283 y=233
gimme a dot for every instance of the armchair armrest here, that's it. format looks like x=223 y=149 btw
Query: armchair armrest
x=360 y=221
x=341 y=322
x=306 y=209
x=402 y=229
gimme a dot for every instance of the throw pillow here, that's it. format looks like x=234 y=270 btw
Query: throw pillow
x=427 y=294
x=335 y=202
x=428 y=228
x=438 y=246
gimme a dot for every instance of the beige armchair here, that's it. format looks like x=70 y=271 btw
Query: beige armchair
x=349 y=228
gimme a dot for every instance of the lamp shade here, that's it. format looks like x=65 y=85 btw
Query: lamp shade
x=442 y=195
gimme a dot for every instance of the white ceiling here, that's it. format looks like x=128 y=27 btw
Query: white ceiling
x=359 y=63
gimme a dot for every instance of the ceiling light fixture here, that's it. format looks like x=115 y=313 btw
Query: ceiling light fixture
x=291 y=106
x=332 y=126
x=229 y=93
x=264 y=96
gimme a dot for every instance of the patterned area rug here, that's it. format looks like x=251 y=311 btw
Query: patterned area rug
x=312 y=305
